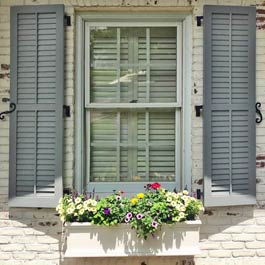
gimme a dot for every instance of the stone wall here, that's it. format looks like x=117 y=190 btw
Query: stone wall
x=229 y=235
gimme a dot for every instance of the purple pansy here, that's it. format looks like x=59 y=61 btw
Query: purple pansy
x=129 y=215
x=154 y=224
x=139 y=216
x=107 y=211
x=127 y=220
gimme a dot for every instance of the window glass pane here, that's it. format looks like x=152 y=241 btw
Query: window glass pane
x=133 y=64
x=162 y=146
x=103 y=150
x=163 y=68
x=103 y=64
x=131 y=146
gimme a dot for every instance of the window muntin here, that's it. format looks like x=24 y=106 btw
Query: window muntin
x=135 y=73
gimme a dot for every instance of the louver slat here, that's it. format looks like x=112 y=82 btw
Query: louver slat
x=229 y=100
x=37 y=89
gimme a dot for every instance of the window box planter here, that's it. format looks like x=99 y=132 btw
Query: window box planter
x=87 y=240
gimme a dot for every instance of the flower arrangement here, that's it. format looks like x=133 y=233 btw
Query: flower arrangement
x=145 y=212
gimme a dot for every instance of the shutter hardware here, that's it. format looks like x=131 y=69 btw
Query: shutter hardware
x=199 y=20
x=12 y=108
x=67 y=20
x=259 y=119
x=66 y=111
x=198 y=109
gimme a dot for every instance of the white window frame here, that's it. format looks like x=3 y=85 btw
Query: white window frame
x=183 y=23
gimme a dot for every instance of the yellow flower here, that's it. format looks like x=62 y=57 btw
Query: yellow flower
x=140 y=195
x=134 y=201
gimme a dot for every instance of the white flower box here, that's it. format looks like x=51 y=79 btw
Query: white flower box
x=87 y=240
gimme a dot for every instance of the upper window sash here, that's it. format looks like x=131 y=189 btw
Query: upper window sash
x=179 y=55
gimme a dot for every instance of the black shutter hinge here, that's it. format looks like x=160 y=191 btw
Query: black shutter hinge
x=199 y=20
x=199 y=194
x=198 y=109
x=67 y=20
x=66 y=111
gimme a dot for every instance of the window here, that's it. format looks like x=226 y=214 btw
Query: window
x=133 y=107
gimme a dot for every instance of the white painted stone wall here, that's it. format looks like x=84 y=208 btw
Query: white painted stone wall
x=229 y=235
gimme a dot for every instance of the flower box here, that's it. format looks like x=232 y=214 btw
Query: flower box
x=88 y=240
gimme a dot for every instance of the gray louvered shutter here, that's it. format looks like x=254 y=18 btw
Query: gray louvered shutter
x=36 y=127
x=229 y=105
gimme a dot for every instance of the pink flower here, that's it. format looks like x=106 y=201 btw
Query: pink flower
x=155 y=185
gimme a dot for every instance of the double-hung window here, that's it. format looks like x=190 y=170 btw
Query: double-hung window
x=132 y=104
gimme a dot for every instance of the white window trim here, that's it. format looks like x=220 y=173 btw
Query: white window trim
x=167 y=19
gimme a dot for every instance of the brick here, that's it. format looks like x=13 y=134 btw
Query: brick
x=5 y=256
x=243 y=237
x=242 y=221
x=220 y=237
x=12 y=247
x=219 y=253
x=49 y=256
x=243 y=253
x=24 y=239
x=5 y=239
x=47 y=239
x=255 y=244
x=260 y=220
x=24 y=256
x=261 y=252
x=260 y=237
x=11 y=2
x=233 y=245
x=36 y=2
x=232 y=229
x=37 y=247
x=254 y=229
x=209 y=245
x=11 y=232
x=216 y=220
x=259 y=213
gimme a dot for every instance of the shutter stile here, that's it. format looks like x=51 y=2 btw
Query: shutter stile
x=229 y=105
x=36 y=128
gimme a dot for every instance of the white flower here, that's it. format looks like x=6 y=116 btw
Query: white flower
x=94 y=203
x=70 y=210
x=173 y=204
x=78 y=200
x=169 y=199
x=185 y=192
x=81 y=211
x=181 y=215
x=79 y=206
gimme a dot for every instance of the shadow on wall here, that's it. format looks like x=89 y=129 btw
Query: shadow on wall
x=41 y=233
